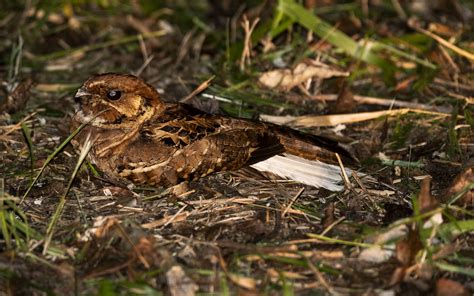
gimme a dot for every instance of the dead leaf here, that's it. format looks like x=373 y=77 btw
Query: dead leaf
x=397 y=276
x=160 y=222
x=345 y=102
x=405 y=84
x=462 y=180
x=443 y=29
x=16 y=99
x=375 y=254
x=328 y=218
x=242 y=281
x=407 y=248
x=276 y=275
x=144 y=249
x=446 y=287
x=103 y=225
x=286 y=79
x=426 y=200
x=179 y=284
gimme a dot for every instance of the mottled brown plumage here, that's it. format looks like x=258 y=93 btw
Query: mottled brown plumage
x=140 y=138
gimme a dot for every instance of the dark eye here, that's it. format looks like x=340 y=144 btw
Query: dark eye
x=114 y=95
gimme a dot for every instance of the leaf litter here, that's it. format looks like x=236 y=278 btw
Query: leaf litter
x=242 y=232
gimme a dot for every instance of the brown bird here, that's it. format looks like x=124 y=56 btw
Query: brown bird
x=137 y=136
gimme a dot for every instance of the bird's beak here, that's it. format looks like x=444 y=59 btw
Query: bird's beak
x=80 y=94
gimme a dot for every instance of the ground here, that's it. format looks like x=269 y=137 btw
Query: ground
x=391 y=80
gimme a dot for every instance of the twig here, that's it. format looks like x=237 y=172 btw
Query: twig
x=174 y=216
x=384 y=102
x=399 y=9
x=18 y=125
x=320 y=278
x=343 y=171
x=203 y=86
x=298 y=194
x=247 y=50
x=331 y=226
x=443 y=42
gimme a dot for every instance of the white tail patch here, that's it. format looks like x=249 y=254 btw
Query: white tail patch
x=314 y=173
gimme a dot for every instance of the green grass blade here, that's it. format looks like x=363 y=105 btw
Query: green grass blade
x=4 y=224
x=324 y=30
x=56 y=152
x=27 y=133
x=339 y=241
x=59 y=209
x=455 y=268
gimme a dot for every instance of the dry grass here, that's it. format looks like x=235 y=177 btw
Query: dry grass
x=242 y=232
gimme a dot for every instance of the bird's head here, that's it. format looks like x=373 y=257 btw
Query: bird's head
x=116 y=99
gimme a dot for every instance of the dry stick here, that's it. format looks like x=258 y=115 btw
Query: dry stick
x=203 y=86
x=143 y=49
x=334 y=119
x=143 y=67
x=384 y=102
x=146 y=58
x=331 y=226
x=319 y=277
x=466 y=87
x=445 y=43
x=359 y=182
x=18 y=125
x=246 y=51
x=399 y=9
x=343 y=171
x=292 y=201
x=174 y=216
x=453 y=65
x=106 y=271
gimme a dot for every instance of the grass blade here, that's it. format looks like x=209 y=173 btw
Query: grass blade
x=324 y=30
x=53 y=155
x=27 y=133
x=59 y=209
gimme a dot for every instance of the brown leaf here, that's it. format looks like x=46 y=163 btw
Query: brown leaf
x=446 y=287
x=405 y=84
x=443 y=29
x=345 y=100
x=179 y=284
x=102 y=226
x=407 y=248
x=426 y=200
x=16 y=99
x=397 y=276
x=462 y=180
x=286 y=79
x=243 y=281
x=328 y=215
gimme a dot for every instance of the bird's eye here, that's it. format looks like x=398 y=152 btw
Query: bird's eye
x=114 y=95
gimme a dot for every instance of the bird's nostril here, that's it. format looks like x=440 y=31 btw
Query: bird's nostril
x=80 y=94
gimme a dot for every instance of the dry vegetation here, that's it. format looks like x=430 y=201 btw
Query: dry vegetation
x=392 y=79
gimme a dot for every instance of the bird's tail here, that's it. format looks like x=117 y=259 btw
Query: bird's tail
x=313 y=147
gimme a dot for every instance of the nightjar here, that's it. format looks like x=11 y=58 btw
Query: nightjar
x=138 y=137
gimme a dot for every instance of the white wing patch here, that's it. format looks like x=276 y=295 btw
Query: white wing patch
x=314 y=173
